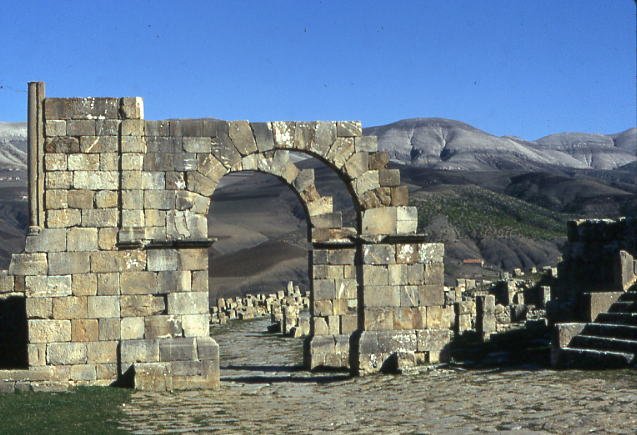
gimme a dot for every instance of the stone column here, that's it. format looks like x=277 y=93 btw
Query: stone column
x=35 y=138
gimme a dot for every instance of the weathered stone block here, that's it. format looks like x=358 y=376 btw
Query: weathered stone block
x=196 y=325
x=378 y=254
x=139 y=351
x=84 y=330
x=175 y=281
x=48 y=286
x=66 y=353
x=132 y=327
x=46 y=331
x=103 y=306
x=96 y=180
x=378 y=319
x=377 y=275
x=56 y=199
x=70 y=307
x=55 y=162
x=99 y=144
x=64 y=263
x=163 y=259
x=82 y=239
x=381 y=296
x=36 y=354
x=349 y=129
x=431 y=295
x=108 y=284
x=193 y=259
x=80 y=198
x=55 y=128
x=379 y=221
x=63 y=218
x=39 y=308
x=163 y=326
x=177 y=349
x=102 y=352
x=109 y=329
x=141 y=305
x=99 y=218
x=83 y=127
x=28 y=264
x=187 y=303
x=131 y=108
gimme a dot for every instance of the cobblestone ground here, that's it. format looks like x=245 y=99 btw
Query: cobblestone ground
x=265 y=390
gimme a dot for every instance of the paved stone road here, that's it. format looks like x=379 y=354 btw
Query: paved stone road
x=264 y=390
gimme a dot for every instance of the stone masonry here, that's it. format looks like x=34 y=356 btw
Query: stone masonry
x=115 y=268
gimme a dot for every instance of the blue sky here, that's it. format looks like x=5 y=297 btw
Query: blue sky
x=510 y=67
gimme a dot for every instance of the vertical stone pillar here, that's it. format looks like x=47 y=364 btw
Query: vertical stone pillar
x=485 y=316
x=403 y=318
x=35 y=139
x=333 y=305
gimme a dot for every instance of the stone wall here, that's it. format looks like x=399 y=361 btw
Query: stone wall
x=115 y=268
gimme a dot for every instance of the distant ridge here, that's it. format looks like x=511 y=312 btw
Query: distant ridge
x=13 y=145
x=447 y=144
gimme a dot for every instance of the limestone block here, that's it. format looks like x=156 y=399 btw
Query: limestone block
x=389 y=177
x=377 y=275
x=107 y=127
x=433 y=340
x=105 y=217
x=319 y=206
x=58 y=180
x=379 y=221
x=55 y=162
x=346 y=288
x=324 y=138
x=434 y=273
x=409 y=296
x=133 y=218
x=431 y=295
x=323 y=308
x=263 y=135
x=64 y=263
x=341 y=256
x=368 y=144
x=107 y=238
x=55 y=128
x=70 y=307
x=324 y=289
x=196 y=144
x=357 y=164
x=283 y=134
x=39 y=308
x=48 y=240
x=28 y=264
x=381 y=296
x=175 y=281
x=80 y=198
x=62 y=145
x=103 y=306
x=187 y=303
x=378 y=254
x=48 y=286
x=56 y=199
x=133 y=127
x=407 y=253
x=193 y=259
x=36 y=354
x=63 y=218
x=46 y=331
x=197 y=281
x=435 y=317
x=242 y=137
x=96 y=180
x=81 y=239
x=432 y=252
x=106 y=199
x=319 y=326
x=177 y=349
x=163 y=259
x=83 y=162
x=84 y=330
x=82 y=372
x=138 y=282
x=109 y=328
x=139 y=351
x=224 y=151
x=102 y=352
x=80 y=108
x=83 y=127
x=407 y=219
x=105 y=372
x=349 y=129
x=200 y=184
x=186 y=225
x=378 y=319
x=131 y=108
x=153 y=180
x=132 y=327
x=207 y=349
x=141 y=305
x=340 y=152
x=399 y=196
x=99 y=144
x=164 y=326
x=66 y=353
x=348 y=323
x=131 y=179
x=107 y=284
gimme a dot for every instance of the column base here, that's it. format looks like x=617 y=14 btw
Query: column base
x=327 y=352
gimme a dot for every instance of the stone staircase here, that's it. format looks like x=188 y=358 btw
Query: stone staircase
x=608 y=342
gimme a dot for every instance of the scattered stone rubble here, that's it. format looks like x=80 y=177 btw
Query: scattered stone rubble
x=288 y=310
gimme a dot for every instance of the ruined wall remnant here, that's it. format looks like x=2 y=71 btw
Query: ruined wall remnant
x=115 y=268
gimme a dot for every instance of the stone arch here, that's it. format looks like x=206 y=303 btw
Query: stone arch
x=114 y=271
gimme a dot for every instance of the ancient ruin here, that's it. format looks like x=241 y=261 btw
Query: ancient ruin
x=114 y=275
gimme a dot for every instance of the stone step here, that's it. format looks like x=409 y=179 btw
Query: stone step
x=623 y=307
x=571 y=357
x=604 y=343
x=617 y=318
x=611 y=330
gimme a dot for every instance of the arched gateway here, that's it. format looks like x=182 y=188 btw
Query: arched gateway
x=115 y=269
